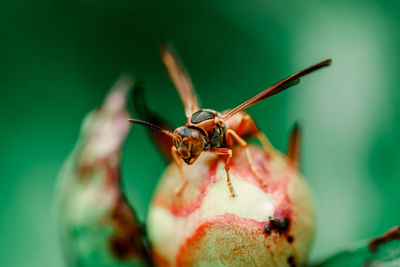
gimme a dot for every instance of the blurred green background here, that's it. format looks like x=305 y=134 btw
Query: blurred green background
x=59 y=58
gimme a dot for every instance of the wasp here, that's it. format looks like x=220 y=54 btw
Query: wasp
x=209 y=130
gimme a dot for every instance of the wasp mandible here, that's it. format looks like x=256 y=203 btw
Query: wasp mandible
x=209 y=130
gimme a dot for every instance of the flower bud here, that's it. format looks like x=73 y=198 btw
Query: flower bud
x=97 y=226
x=268 y=224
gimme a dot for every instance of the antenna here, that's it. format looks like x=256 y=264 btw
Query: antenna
x=155 y=127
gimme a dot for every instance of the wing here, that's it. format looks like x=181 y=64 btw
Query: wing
x=276 y=88
x=180 y=78
x=163 y=142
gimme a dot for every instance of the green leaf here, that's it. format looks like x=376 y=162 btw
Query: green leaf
x=381 y=251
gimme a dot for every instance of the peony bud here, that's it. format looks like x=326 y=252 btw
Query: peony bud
x=268 y=225
x=97 y=226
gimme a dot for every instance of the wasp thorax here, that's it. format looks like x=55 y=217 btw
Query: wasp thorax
x=190 y=143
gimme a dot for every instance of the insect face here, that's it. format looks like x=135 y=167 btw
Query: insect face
x=190 y=143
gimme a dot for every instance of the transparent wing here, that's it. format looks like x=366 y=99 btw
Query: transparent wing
x=180 y=78
x=276 y=88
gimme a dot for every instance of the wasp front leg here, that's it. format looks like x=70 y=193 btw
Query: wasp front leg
x=178 y=163
x=231 y=133
x=228 y=153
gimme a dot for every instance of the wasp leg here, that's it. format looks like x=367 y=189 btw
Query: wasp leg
x=266 y=144
x=248 y=122
x=231 y=133
x=178 y=163
x=226 y=152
